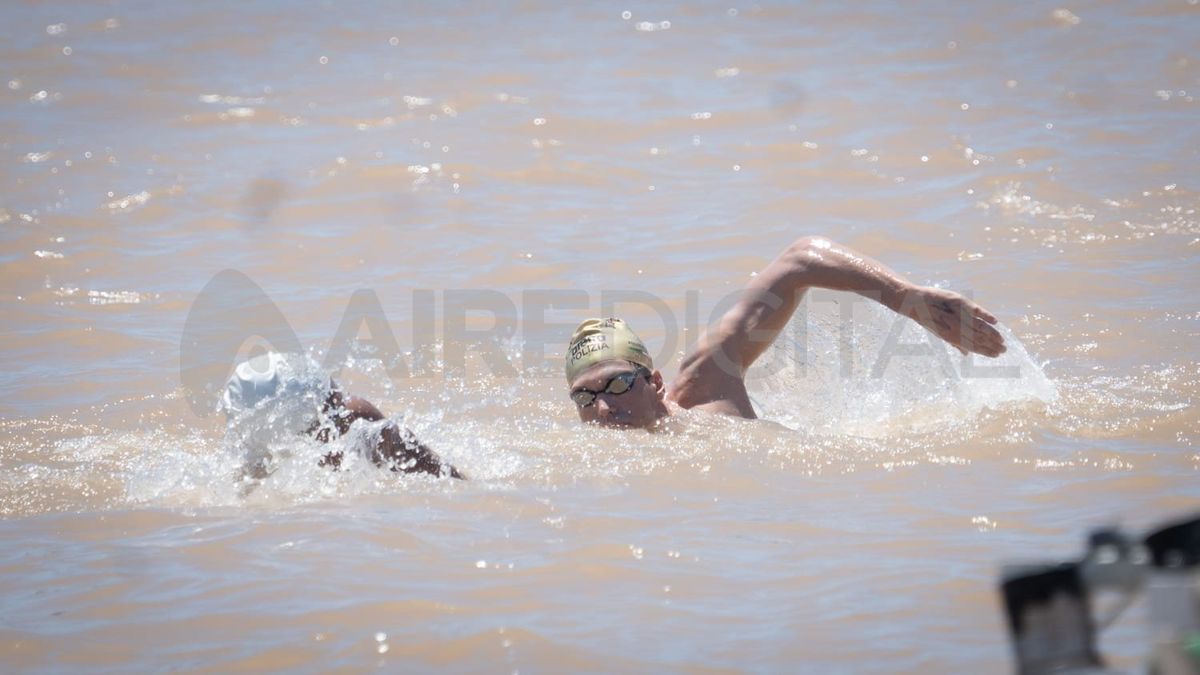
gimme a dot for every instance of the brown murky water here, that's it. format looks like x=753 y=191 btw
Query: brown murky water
x=510 y=170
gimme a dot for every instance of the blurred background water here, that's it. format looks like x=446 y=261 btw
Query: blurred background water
x=1042 y=157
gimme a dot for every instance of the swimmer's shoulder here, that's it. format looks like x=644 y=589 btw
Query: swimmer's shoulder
x=702 y=385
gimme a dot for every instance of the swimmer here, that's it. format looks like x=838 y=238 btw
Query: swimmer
x=613 y=381
x=275 y=393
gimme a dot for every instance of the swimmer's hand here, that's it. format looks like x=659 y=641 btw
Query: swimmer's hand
x=400 y=451
x=955 y=319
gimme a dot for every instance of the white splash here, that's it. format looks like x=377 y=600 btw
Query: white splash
x=847 y=365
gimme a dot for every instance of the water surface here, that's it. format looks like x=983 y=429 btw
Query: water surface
x=1041 y=157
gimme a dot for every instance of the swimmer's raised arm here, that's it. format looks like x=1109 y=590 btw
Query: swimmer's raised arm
x=714 y=373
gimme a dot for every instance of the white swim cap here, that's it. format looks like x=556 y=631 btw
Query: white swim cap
x=286 y=388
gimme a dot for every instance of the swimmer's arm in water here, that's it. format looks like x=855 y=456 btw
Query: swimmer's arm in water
x=398 y=448
x=713 y=375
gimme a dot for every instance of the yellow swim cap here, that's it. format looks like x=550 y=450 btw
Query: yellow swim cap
x=598 y=340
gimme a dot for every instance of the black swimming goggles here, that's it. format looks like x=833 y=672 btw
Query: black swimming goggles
x=619 y=384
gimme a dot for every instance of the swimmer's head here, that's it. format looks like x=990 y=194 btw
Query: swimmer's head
x=612 y=377
x=283 y=390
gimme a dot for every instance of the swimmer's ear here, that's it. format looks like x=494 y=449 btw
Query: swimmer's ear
x=656 y=381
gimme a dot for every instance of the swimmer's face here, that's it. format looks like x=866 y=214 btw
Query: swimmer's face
x=618 y=394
